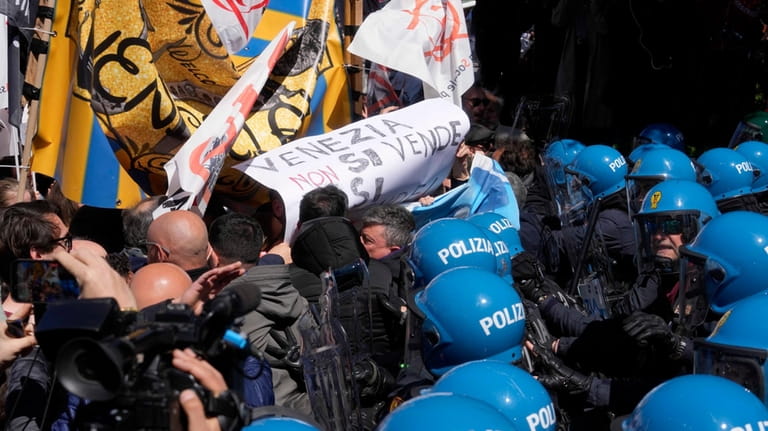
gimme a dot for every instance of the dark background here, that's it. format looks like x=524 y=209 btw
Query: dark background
x=697 y=64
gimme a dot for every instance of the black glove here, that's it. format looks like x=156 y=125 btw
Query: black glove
x=647 y=328
x=525 y=266
x=372 y=380
x=559 y=377
x=535 y=327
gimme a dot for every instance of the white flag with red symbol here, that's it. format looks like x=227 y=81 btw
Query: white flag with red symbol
x=193 y=171
x=424 y=38
x=235 y=20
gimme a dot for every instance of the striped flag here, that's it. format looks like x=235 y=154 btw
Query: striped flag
x=142 y=94
x=427 y=39
x=193 y=171
x=235 y=20
x=488 y=189
x=70 y=144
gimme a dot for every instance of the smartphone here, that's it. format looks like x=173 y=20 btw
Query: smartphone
x=42 y=281
x=15 y=328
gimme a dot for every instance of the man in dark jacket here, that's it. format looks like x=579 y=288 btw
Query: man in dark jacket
x=273 y=327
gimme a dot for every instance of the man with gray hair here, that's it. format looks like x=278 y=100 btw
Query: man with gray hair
x=386 y=229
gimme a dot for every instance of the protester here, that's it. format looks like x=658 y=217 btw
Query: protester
x=273 y=327
x=179 y=237
x=136 y=221
x=9 y=192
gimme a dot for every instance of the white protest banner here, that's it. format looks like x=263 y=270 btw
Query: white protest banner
x=389 y=158
x=8 y=143
x=235 y=20
x=193 y=170
x=426 y=38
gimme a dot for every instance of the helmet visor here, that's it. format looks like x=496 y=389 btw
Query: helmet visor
x=742 y=365
x=692 y=304
x=659 y=237
x=577 y=199
x=745 y=132
x=637 y=188
x=561 y=187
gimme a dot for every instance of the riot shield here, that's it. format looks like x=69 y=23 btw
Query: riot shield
x=543 y=118
x=327 y=361
x=593 y=279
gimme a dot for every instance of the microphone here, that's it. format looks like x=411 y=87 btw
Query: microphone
x=233 y=302
x=219 y=312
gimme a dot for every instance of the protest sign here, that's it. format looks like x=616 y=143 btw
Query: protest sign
x=389 y=158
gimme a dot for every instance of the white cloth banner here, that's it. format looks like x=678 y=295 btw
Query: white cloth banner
x=8 y=141
x=389 y=158
x=194 y=169
x=235 y=20
x=426 y=38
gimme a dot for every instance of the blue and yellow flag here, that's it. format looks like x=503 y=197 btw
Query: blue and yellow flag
x=149 y=72
x=86 y=166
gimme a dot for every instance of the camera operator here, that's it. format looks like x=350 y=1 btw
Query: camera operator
x=210 y=378
x=33 y=230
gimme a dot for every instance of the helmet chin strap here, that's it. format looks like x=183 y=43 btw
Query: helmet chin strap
x=665 y=264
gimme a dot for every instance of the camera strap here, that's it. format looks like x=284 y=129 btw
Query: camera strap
x=228 y=409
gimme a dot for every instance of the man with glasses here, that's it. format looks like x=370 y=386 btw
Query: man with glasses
x=30 y=230
x=474 y=103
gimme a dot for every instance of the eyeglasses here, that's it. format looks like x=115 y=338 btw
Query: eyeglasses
x=475 y=101
x=668 y=227
x=146 y=244
x=65 y=242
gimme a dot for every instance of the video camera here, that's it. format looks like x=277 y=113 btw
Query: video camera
x=121 y=362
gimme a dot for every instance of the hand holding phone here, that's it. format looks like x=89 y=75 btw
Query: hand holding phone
x=15 y=328
x=41 y=281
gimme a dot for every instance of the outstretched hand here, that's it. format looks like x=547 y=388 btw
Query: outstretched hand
x=209 y=285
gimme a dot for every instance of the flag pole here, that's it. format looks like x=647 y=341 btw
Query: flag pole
x=353 y=17
x=33 y=80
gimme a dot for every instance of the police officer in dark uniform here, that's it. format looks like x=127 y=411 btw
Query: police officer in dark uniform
x=607 y=365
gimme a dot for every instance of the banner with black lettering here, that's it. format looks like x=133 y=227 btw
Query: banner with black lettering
x=390 y=158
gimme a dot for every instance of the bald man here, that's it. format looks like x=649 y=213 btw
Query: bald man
x=157 y=282
x=180 y=237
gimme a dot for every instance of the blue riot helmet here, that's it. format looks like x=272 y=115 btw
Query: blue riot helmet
x=280 y=418
x=663 y=134
x=558 y=154
x=737 y=349
x=671 y=207
x=445 y=411
x=726 y=173
x=280 y=423
x=753 y=127
x=696 y=402
x=502 y=227
x=506 y=240
x=469 y=314
x=449 y=243
x=510 y=389
x=724 y=264
x=599 y=170
x=640 y=150
x=555 y=157
x=653 y=167
x=757 y=154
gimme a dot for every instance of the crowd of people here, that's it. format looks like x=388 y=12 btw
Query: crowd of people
x=627 y=296
x=618 y=301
